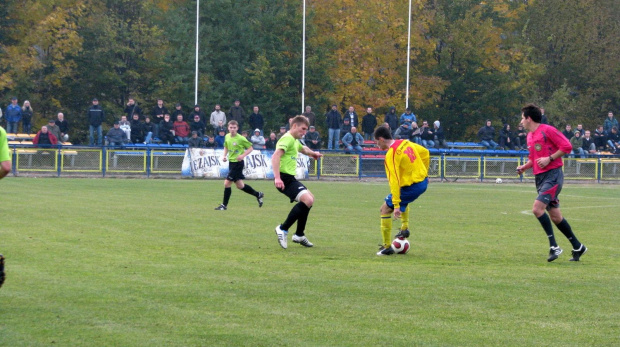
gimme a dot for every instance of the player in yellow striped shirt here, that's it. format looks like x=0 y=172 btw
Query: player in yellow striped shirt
x=406 y=167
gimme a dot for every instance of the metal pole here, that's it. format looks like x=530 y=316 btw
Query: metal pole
x=303 y=62
x=197 y=34
x=408 y=54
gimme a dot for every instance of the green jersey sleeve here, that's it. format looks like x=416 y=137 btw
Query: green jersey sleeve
x=4 y=146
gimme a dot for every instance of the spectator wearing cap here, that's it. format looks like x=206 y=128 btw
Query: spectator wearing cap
x=196 y=124
x=44 y=138
x=53 y=129
x=313 y=138
x=96 y=115
x=257 y=120
x=220 y=138
x=408 y=117
x=237 y=113
x=116 y=136
x=198 y=112
x=282 y=132
x=217 y=116
x=333 y=127
x=13 y=115
x=440 y=136
x=196 y=141
x=178 y=110
x=258 y=141
x=353 y=141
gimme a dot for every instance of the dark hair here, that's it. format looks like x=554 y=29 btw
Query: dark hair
x=383 y=132
x=532 y=112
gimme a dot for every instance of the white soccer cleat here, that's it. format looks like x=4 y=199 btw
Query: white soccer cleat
x=302 y=240
x=281 y=237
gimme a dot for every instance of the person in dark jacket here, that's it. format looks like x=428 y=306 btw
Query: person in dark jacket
x=352 y=115
x=197 y=125
x=256 y=120
x=196 y=141
x=392 y=119
x=200 y=113
x=310 y=115
x=271 y=142
x=63 y=125
x=178 y=110
x=427 y=135
x=116 y=136
x=136 y=133
x=27 y=117
x=521 y=138
x=237 y=113
x=487 y=135
x=157 y=114
x=369 y=123
x=440 y=136
x=148 y=129
x=333 y=125
x=132 y=108
x=506 y=139
x=312 y=138
x=96 y=115
x=166 y=128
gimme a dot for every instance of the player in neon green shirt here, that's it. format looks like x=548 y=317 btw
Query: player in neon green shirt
x=284 y=163
x=236 y=147
x=5 y=168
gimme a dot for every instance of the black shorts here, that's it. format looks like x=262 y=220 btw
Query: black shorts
x=235 y=171
x=549 y=185
x=292 y=186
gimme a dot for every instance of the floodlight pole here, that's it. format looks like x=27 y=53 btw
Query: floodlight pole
x=303 y=61
x=408 y=55
x=197 y=34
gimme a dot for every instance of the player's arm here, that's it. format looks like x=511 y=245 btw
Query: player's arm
x=521 y=169
x=5 y=168
x=307 y=151
x=563 y=145
x=245 y=153
x=275 y=164
x=225 y=155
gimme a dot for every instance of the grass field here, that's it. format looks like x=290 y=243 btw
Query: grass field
x=112 y=262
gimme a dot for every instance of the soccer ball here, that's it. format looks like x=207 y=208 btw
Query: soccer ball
x=498 y=180
x=400 y=245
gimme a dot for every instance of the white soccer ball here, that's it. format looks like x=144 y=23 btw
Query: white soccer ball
x=400 y=245
x=498 y=181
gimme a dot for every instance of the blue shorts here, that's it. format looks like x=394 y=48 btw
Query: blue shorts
x=549 y=185
x=408 y=194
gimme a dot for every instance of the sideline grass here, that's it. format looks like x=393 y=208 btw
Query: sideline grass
x=106 y=262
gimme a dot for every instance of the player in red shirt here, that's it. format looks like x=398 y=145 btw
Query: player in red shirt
x=547 y=146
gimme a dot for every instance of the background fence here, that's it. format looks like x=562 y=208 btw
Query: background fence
x=167 y=162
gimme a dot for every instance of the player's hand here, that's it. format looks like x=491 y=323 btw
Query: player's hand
x=397 y=213
x=520 y=170
x=224 y=159
x=240 y=158
x=278 y=183
x=542 y=162
x=316 y=155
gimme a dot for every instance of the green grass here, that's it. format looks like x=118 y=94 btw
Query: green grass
x=110 y=262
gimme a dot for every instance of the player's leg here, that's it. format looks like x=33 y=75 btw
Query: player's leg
x=249 y=190
x=578 y=248
x=306 y=200
x=386 y=227
x=539 y=209
x=227 y=194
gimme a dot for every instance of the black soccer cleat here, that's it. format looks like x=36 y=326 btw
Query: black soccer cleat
x=222 y=207
x=578 y=253
x=403 y=234
x=554 y=253
x=386 y=251
x=259 y=198
x=2 y=275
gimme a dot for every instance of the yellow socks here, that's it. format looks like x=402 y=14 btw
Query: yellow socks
x=386 y=229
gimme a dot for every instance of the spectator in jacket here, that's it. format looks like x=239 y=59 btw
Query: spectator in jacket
x=63 y=125
x=369 y=123
x=132 y=108
x=577 y=143
x=543 y=119
x=392 y=119
x=256 y=120
x=221 y=127
x=408 y=117
x=486 y=135
x=198 y=126
x=178 y=110
x=588 y=143
x=44 y=138
x=196 y=141
x=237 y=113
x=568 y=132
x=181 y=130
x=13 y=115
x=521 y=138
x=610 y=122
x=427 y=135
x=136 y=132
x=440 y=137
x=353 y=141
x=600 y=138
x=613 y=140
x=345 y=128
x=220 y=138
x=506 y=138
x=53 y=129
x=581 y=129
x=271 y=142
x=210 y=142
x=352 y=116
x=96 y=115
x=403 y=132
x=158 y=112
x=333 y=127
x=198 y=112
x=257 y=140
x=126 y=127
x=416 y=133
x=27 y=113
x=166 y=130
x=310 y=115
x=148 y=130
x=116 y=136
x=217 y=116
x=313 y=138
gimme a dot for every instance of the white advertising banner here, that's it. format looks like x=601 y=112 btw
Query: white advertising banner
x=203 y=162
